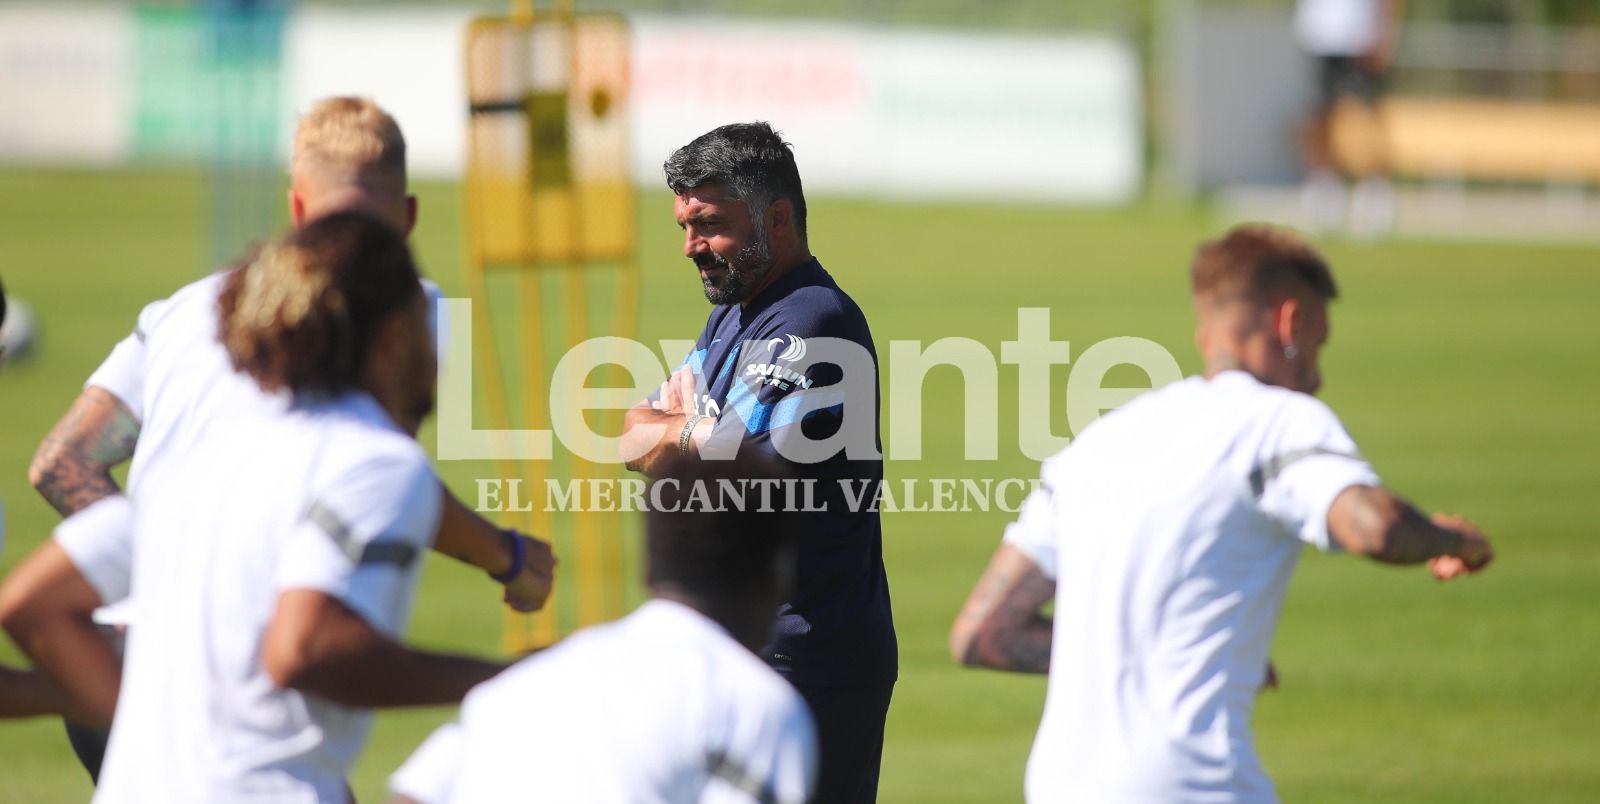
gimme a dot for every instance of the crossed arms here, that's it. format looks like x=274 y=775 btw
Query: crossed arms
x=653 y=431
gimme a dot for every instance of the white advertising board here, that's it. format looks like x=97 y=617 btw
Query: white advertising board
x=65 y=86
x=903 y=113
x=871 y=111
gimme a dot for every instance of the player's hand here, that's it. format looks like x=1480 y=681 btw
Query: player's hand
x=686 y=390
x=530 y=589
x=676 y=393
x=666 y=397
x=1473 y=555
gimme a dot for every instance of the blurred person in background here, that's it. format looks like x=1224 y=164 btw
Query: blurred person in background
x=1353 y=42
x=669 y=704
x=17 y=331
x=1166 y=533
x=256 y=659
x=154 y=405
x=738 y=199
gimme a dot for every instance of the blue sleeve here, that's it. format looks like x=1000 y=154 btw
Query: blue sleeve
x=778 y=383
x=696 y=359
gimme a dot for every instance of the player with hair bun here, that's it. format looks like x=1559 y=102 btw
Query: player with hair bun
x=276 y=565
x=165 y=385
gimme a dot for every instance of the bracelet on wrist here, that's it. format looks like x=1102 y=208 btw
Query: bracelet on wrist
x=519 y=557
x=688 y=433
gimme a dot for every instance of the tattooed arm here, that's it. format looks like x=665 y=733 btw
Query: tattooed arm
x=72 y=467
x=1002 y=625
x=1371 y=521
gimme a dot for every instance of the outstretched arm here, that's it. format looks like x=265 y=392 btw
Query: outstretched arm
x=1371 y=521
x=1002 y=625
x=72 y=467
x=466 y=536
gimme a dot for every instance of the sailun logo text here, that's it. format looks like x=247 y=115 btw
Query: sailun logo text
x=784 y=378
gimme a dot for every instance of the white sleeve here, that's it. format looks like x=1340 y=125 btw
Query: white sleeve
x=1307 y=461
x=794 y=762
x=780 y=767
x=123 y=371
x=1034 y=532
x=99 y=541
x=429 y=774
x=362 y=538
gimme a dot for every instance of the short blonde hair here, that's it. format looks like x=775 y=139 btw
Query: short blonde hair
x=352 y=142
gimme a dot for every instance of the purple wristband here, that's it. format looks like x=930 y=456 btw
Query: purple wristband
x=519 y=558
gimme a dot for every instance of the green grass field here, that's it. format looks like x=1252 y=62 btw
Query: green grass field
x=1466 y=371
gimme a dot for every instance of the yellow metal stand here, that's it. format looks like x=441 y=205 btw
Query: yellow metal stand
x=549 y=226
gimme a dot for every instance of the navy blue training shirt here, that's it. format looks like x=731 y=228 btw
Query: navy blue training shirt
x=836 y=628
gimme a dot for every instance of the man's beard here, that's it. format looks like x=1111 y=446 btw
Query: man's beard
x=733 y=281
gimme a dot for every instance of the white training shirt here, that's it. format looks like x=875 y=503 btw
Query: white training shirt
x=98 y=539
x=1171 y=527
x=327 y=496
x=176 y=378
x=661 y=706
x=1339 y=27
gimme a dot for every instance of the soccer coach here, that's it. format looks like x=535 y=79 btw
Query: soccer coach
x=743 y=214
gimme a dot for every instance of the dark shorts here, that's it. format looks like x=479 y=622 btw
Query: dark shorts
x=1340 y=77
x=90 y=746
x=850 y=739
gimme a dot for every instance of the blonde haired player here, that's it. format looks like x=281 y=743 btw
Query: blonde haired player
x=1166 y=534
x=155 y=405
x=349 y=154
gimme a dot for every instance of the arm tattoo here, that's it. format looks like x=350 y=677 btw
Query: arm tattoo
x=72 y=468
x=1417 y=539
x=1005 y=615
x=1371 y=521
x=1023 y=643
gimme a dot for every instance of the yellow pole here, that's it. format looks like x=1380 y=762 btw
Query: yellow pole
x=522 y=12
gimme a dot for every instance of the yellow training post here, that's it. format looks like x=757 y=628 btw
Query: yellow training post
x=550 y=241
